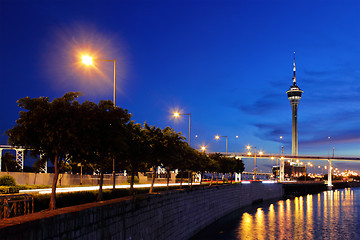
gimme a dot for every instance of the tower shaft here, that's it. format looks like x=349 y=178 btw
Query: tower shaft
x=294 y=145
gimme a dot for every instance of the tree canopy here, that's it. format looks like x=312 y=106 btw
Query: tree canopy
x=67 y=133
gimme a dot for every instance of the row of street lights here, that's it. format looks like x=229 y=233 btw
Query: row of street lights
x=203 y=148
x=217 y=137
x=88 y=60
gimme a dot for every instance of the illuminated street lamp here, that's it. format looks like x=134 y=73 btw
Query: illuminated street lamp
x=217 y=137
x=249 y=153
x=203 y=148
x=88 y=60
x=176 y=115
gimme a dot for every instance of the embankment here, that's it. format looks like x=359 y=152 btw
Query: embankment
x=173 y=215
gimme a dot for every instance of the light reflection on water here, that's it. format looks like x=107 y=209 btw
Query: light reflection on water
x=327 y=215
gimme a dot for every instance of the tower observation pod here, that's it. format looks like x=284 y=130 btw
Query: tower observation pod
x=294 y=95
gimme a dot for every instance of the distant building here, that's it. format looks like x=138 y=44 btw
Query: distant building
x=290 y=169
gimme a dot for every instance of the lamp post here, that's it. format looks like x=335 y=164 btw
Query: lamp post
x=281 y=146
x=249 y=153
x=217 y=137
x=329 y=186
x=87 y=60
x=176 y=114
x=236 y=137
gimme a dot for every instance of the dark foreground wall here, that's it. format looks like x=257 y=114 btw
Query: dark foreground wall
x=173 y=215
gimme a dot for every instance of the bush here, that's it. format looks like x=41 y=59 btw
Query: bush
x=37 y=186
x=7 y=181
x=8 y=189
x=136 y=179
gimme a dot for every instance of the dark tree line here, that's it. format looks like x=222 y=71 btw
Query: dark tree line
x=68 y=133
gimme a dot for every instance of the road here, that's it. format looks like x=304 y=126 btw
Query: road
x=92 y=188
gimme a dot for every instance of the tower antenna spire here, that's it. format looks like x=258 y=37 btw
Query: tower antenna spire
x=294 y=95
x=294 y=69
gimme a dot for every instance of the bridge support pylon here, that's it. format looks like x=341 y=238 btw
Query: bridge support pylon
x=20 y=158
x=282 y=170
x=329 y=185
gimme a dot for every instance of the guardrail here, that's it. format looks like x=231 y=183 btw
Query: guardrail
x=12 y=205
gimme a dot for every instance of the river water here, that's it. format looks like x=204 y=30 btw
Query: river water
x=327 y=215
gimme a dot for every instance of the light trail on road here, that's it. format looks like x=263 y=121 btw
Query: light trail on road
x=94 y=188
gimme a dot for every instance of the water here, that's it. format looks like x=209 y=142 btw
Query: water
x=327 y=215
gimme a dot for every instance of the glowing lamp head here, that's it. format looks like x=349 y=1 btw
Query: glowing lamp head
x=176 y=114
x=249 y=153
x=248 y=147
x=203 y=148
x=261 y=153
x=86 y=59
x=217 y=137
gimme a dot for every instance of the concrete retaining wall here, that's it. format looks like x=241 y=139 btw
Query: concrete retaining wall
x=173 y=215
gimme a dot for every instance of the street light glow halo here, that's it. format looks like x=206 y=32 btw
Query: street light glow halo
x=86 y=59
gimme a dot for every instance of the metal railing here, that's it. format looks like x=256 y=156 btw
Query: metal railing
x=12 y=205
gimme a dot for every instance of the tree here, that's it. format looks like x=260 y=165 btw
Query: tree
x=155 y=139
x=215 y=167
x=47 y=128
x=9 y=163
x=172 y=147
x=100 y=136
x=138 y=150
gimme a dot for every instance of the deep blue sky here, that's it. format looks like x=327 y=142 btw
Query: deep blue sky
x=228 y=63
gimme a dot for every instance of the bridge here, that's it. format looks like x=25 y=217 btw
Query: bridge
x=19 y=156
x=282 y=158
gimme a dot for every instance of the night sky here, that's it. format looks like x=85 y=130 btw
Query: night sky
x=228 y=63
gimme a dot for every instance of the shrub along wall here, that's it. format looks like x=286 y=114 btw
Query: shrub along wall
x=173 y=215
